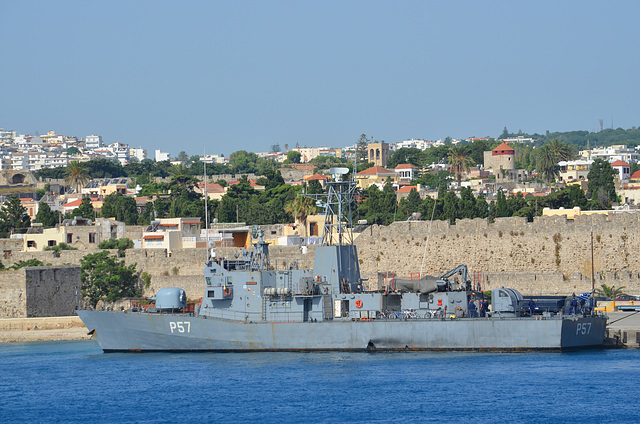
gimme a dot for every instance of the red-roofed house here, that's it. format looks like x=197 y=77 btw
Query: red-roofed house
x=406 y=171
x=375 y=175
x=31 y=206
x=623 y=170
x=214 y=191
x=70 y=206
x=635 y=177
x=405 y=190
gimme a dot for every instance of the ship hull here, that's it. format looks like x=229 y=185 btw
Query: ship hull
x=143 y=332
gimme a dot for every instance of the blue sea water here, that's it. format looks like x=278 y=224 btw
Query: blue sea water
x=74 y=382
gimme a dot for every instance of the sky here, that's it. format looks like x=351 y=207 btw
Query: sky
x=223 y=76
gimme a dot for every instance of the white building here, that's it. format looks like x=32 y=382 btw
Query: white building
x=120 y=151
x=93 y=142
x=20 y=161
x=413 y=143
x=574 y=170
x=7 y=137
x=161 y=156
x=612 y=153
x=212 y=158
x=138 y=153
x=623 y=170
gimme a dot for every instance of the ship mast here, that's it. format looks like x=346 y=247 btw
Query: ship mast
x=337 y=205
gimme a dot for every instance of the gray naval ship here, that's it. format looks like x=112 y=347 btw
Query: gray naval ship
x=248 y=306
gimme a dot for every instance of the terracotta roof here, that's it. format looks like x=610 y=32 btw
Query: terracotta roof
x=76 y=203
x=619 y=163
x=503 y=146
x=635 y=174
x=407 y=189
x=315 y=177
x=212 y=188
x=375 y=170
x=251 y=182
x=153 y=236
x=406 y=166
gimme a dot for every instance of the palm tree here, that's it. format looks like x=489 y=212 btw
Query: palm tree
x=548 y=157
x=76 y=175
x=547 y=163
x=611 y=292
x=301 y=207
x=561 y=151
x=459 y=159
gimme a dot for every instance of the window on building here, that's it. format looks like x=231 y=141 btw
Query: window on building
x=51 y=243
x=92 y=237
x=211 y=293
x=7 y=254
x=69 y=238
x=313 y=229
x=31 y=243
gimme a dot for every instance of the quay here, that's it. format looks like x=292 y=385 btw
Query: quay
x=42 y=329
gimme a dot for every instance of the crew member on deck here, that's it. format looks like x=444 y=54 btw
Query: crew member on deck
x=472 y=309
x=483 y=308
x=574 y=305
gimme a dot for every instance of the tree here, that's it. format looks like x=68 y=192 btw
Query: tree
x=103 y=168
x=242 y=162
x=361 y=149
x=182 y=157
x=121 y=244
x=46 y=216
x=450 y=207
x=405 y=155
x=561 y=151
x=546 y=164
x=467 y=204
x=300 y=208
x=600 y=183
x=293 y=156
x=76 y=175
x=275 y=148
x=13 y=216
x=73 y=151
x=502 y=207
x=413 y=202
x=58 y=248
x=611 y=292
x=121 y=208
x=85 y=209
x=459 y=159
x=548 y=157
x=104 y=277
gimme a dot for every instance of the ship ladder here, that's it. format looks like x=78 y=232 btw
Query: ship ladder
x=264 y=307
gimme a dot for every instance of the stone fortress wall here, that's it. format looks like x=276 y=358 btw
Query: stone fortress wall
x=551 y=255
